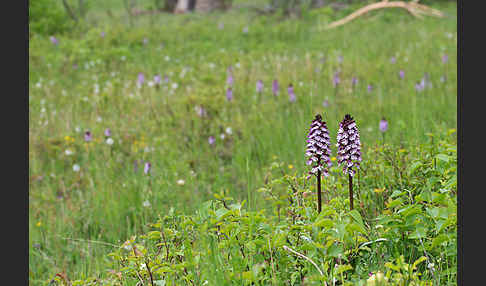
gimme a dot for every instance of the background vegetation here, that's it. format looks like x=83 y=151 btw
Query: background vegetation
x=84 y=76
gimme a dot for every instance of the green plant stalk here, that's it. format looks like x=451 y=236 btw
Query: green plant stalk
x=319 y=200
x=350 y=191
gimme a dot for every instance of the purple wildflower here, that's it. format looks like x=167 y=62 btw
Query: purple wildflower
x=393 y=60
x=370 y=88
x=54 y=40
x=275 y=87
x=229 y=80
x=402 y=74
x=211 y=140
x=290 y=90
x=88 y=136
x=445 y=58
x=349 y=145
x=229 y=94
x=157 y=79
x=107 y=132
x=146 y=168
x=141 y=78
x=420 y=86
x=259 y=86
x=383 y=125
x=354 y=81
x=336 y=80
x=102 y=34
x=201 y=111
x=318 y=147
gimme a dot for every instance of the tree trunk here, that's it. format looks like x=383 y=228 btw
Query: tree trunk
x=182 y=6
x=210 y=5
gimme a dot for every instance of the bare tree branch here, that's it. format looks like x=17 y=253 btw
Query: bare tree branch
x=69 y=10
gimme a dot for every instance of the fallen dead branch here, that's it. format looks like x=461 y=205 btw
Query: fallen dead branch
x=412 y=7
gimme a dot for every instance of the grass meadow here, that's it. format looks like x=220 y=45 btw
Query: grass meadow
x=87 y=199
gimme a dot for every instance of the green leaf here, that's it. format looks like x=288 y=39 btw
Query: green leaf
x=335 y=250
x=412 y=168
x=342 y=268
x=420 y=232
x=418 y=261
x=394 y=203
x=325 y=222
x=443 y=157
x=357 y=218
x=154 y=235
x=159 y=282
x=438 y=240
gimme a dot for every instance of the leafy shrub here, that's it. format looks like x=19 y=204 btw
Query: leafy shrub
x=48 y=17
x=406 y=235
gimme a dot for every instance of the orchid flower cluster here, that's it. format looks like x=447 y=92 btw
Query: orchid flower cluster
x=319 y=150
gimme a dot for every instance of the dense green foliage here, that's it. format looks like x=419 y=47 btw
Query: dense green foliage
x=48 y=17
x=88 y=81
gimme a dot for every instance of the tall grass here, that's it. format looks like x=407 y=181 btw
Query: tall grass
x=75 y=216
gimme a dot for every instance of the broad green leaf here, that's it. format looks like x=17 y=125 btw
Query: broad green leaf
x=325 y=222
x=357 y=218
x=439 y=240
x=335 y=250
x=443 y=157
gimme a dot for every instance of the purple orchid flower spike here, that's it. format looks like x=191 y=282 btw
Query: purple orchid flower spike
x=107 y=132
x=201 y=111
x=401 y=74
x=319 y=152
x=211 y=140
x=420 y=86
x=370 y=88
x=259 y=86
x=349 y=150
x=157 y=79
x=141 y=79
x=290 y=90
x=383 y=125
x=229 y=94
x=354 y=81
x=336 y=80
x=102 y=34
x=275 y=87
x=88 y=136
x=54 y=40
x=349 y=145
x=229 y=80
x=393 y=60
x=445 y=58
x=147 y=167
